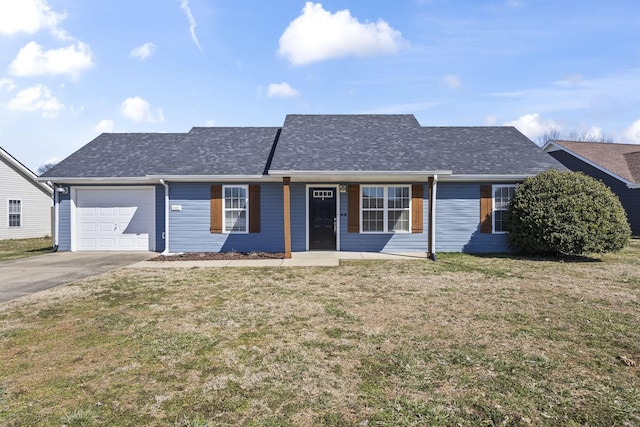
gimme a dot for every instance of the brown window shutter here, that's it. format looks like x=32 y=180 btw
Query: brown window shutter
x=216 y=209
x=254 y=209
x=354 y=208
x=486 y=208
x=417 y=195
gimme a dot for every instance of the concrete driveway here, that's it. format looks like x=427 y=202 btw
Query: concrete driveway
x=29 y=275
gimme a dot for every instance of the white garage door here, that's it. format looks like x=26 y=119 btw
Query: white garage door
x=115 y=220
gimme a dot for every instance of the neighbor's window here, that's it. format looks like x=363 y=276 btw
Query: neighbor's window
x=385 y=209
x=15 y=213
x=235 y=208
x=502 y=195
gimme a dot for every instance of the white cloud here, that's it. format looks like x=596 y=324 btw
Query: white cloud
x=281 y=90
x=29 y=16
x=139 y=110
x=532 y=125
x=317 y=35
x=452 y=81
x=7 y=84
x=143 y=51
x=632 y=133
x=184 y=5
x=36 y=98
x=105 y=126
x=491 y=120
x=32 y=60
x=210 y=123
x=594 y=134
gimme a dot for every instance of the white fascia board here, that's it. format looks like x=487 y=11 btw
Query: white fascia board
x=484 y=178
x=98 y=180
x=214 y=178
x=360 y=176
x=552 y=146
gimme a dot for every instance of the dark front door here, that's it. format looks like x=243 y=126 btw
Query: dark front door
x=322 y=218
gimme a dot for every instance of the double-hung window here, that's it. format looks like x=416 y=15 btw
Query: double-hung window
x=15 y=213
x=502 y=195
x=235 y=208
x=385 y=209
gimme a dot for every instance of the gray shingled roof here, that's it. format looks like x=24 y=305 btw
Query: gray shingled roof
x=398 y=143
x=315 y=143
x=202 y=151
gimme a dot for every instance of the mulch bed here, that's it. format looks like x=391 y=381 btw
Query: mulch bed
x=204 y=256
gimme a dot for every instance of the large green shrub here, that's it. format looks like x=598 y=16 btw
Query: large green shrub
x=566 y=213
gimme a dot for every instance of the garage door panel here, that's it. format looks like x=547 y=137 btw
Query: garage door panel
x=115 y=219
x=88 y=243
x=87 y=226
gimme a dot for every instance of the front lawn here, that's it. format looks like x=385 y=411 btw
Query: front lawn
x=467 y=341
x=21 y=248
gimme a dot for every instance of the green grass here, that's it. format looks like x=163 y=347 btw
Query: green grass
x=21 y=248
x=465 y=341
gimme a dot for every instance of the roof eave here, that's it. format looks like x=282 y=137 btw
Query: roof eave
x=154 y=179
x=360 y=176
x=214 y=178
x=95 y=180
x=486 y=177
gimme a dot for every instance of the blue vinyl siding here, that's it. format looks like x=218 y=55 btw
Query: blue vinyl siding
x=64 y=222
x=298 y=217
x=388 y=242
x=189 y=228
x=458 y=221
x=629 y=198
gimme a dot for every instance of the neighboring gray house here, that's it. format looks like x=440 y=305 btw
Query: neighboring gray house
x=319 y=182
x=617 y=165
x=25 y=203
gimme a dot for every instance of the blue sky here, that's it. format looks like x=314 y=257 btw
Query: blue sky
x=71 y=69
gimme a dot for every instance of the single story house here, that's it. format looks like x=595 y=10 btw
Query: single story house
x=25 y=203
x=617 y=165
x=318 y=182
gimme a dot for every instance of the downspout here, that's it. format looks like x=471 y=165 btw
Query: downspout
x=166 y=251
x=56 y=216
x=432 y=218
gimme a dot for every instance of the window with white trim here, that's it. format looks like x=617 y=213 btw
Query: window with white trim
x=235 y=208
x=15 y=213
x=502 y=195
x=385 y=208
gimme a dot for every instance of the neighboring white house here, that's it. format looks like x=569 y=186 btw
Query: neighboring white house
x=25 y=203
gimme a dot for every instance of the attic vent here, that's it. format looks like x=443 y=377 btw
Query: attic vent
x=322 y=194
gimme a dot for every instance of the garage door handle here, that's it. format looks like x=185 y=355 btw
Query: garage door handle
x=115 y=227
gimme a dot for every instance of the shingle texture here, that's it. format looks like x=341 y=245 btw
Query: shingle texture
x=399 y=143
x=202 y=151
x=315 y=143
x=620 y=159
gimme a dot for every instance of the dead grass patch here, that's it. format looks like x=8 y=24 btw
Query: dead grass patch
x=463 y=341
x=21 y=248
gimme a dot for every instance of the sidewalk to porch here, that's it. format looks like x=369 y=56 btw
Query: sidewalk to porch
x=298 y=259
